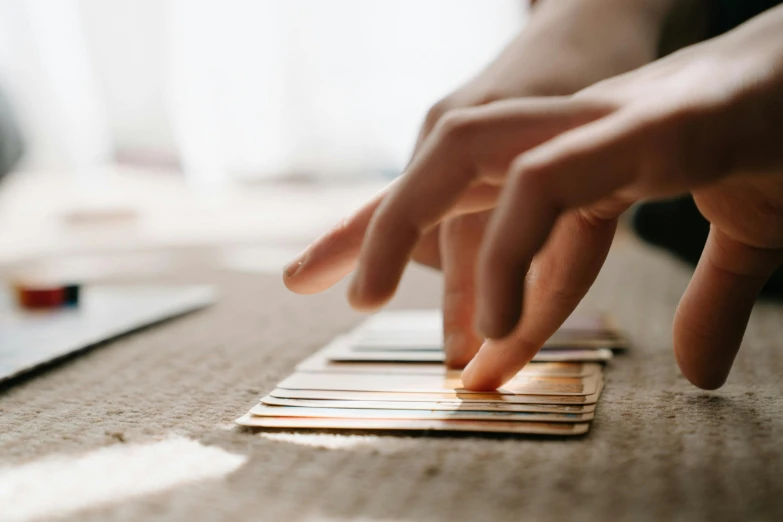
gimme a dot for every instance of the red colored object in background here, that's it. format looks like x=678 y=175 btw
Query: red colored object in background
x=37 y=298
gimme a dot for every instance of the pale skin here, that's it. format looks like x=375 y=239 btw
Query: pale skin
x=564 y=29
x=517 y=200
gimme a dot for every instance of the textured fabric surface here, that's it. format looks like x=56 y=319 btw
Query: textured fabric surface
x=659 y=449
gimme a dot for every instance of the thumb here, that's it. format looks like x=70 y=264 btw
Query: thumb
x=714 y=311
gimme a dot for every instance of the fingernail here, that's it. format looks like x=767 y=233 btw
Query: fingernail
x=293 y=268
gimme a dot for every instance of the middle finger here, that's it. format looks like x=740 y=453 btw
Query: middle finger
x=466 y=146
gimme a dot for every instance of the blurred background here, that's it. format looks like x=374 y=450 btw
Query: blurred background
x=144 y=123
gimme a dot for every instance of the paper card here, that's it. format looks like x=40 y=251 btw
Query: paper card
x=432 y=405
x=428 y=320
x=265 y=410
x=422 y=330
x=454 y=396
x=510 y=427
x=319 y=363
x=402 y=383
x=418 y=341
x=342 y=354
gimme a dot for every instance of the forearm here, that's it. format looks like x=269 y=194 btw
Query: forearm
x=647 y=16
x=570 y=44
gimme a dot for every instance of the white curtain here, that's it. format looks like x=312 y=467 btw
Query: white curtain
x=240 y=88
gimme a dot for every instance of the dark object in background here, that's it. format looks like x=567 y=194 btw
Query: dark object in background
x=11 y=145
x=33 y=296
x=678 y=226
x=725 y=15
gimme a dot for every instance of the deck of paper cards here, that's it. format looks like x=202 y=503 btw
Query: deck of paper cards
x=388 y=374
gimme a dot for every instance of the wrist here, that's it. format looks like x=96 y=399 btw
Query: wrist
x=667 y=25
x=652 y=11
x=592 y=39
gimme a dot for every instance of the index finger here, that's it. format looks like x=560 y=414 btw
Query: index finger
x=333 y=255
x=467 y=146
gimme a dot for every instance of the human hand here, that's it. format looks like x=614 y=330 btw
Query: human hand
x=565 y=30
x=558 y=171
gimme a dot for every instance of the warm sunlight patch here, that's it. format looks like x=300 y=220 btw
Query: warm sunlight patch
x=60 y=484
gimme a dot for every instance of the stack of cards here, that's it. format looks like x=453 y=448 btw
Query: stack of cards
x=388 y=374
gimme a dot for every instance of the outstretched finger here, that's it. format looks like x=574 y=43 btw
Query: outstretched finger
x=714 y=311
x=558 y=280
x=627 y=155
x=333 y=255
x=576 y=169
x=460 y=240
x=466 y=147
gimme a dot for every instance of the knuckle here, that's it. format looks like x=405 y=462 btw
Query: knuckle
x=669 y=126
x=547 y=86
x=458 y=123
x=340 y=230
x=436 y=112
x=565 y=296
x=678 y=147
x=488 y=95
x=694 y=148
x=663 y=119
x=602 y=214
x=404 y=229
x=526 y=176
